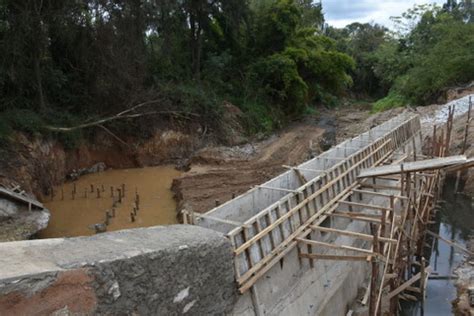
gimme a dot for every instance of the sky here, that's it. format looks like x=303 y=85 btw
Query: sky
x=339 y=13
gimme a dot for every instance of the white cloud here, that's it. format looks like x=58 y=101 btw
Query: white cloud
x=339 y=13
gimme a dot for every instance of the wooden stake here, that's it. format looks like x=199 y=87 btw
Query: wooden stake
x=375 y=272
x=111 y=191
x=119 y=193
x=98 y=193
x=132 y=217
x=92 y=188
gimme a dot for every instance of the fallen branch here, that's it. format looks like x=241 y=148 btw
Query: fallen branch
x=122 y=115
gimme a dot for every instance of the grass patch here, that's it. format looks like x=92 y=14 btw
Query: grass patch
x=392 y=100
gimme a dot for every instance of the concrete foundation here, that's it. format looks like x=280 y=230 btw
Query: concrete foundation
x=172 y=270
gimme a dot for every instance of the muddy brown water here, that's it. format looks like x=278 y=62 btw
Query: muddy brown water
x=76 y=216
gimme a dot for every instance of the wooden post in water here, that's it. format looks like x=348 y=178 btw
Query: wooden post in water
x=132 y=217
x=464 y=145
x=92 y=188
x=98 y=193
x=102 y=188
x=111 y=191
x=119 y=192
x=123 y=189
x=422 y=286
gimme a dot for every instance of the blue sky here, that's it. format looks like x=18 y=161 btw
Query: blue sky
x=339 y=13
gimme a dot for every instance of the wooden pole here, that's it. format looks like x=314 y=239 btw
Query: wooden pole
x=119 y=192
x=375 y=272
x=111 y=191
x=123 y=189
x=464 y=146
x=422 y=286
x=92 y=188
x=132 y=217
x=98 y=193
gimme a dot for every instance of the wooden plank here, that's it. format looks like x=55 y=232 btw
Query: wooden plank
x=333 y=246
x=468 y=164
x=333 y=257
x=276 y=189
x=21 y=198
x=407 y=284
x=356 y=218
x=352 y=234
x=381 y=194
x=217 y=219
x=421 y=165
x=369 y=206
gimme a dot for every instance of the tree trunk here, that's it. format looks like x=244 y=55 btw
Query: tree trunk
x=39 y=82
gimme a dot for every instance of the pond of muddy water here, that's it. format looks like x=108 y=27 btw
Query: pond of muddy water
x=76 y=214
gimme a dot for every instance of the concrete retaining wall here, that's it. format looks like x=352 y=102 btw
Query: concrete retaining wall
x=171 y=270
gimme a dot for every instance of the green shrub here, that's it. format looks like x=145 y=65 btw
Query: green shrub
x=24 y=120
x=392 y=100
x=259 y=118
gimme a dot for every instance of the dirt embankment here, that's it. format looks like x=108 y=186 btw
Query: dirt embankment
x=218 y=173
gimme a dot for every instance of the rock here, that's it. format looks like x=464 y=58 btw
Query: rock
x=24 y=225
x=7 y=209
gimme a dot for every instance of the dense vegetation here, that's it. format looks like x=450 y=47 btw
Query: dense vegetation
x=431 y=48
x=69 y=62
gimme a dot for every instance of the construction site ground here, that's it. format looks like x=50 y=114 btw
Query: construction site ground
x=218 y=173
